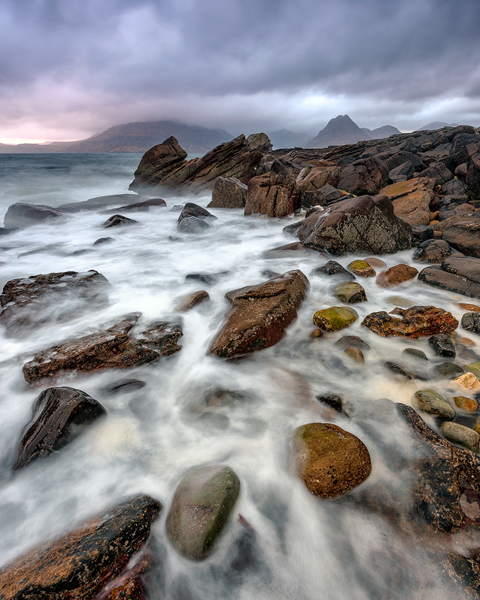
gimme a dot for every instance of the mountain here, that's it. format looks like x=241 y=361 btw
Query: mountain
x=133 y=137
x=436 y=125
x=381 y=133
x=284 y=138
x=338 y=131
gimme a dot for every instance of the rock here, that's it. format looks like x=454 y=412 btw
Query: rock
x=103 y=240
x=411 y=199
x=362 y=268
x=473 y=172
x=433 y=403
x=468 y=381
x=334 y=401
x=333 y=268
x=124 y=385
x=100 y=202
x=192 y=225
x=469 y=307
x=200 y=510
x=360 y=225
x=206 y=278
x=271 y=194
x=432 y=251
x=447 y=370
x=22 y=214
x=459 y=434
x=189 y=301
x=417 y=321
x=415 y=353
x=194 y=210
x=457 y=274
x=364 y=176
x=59 y=416
x=398 y=370
x=163 y=336
x=32 y=301
x=464 y=236
x=442 y=345
x=355 y=354
x=228 y=192
x=81 y=563
x=438 y=172
x=401 y=173
x=471 y=321
x=474 y=368
x=259 y=315
x=295 y=249
x=320 y=179
x=396 y=275
x=165 y=166
x=316 y=333
x=334 y=318
x=142 y=206
x=351 y=341
x=350 y=292
x=109 y=348
x=465 y=403
x=118 y=221
x=421 y=233
x=330 y=460
x=373 y=261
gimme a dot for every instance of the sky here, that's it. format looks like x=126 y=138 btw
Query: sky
x=70 y=68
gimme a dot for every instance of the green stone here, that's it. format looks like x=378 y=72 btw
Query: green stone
x=474 y=368
x=431 y=402
x=334 y=318
x=415 y=353
x=459 y=434
x=448 y=370
x=350 y=292
x=200 y=510
x=362 y=268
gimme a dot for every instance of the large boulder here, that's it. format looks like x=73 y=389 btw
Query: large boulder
x=228 y=192
x=415 y=322
x=364 y=224
x=200 y=510
x=259 y=315
x=313 y=178
x=81 y=563
x=464 y=236
x=364 y=176
x=21 y=215
x=411 y=199
x=59 y=415
x=166 y=166
x=271 y=194
x=457 y=274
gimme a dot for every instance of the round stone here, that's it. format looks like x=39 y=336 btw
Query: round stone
x=466 y=403
x=459 y=434
x=334 y=318
x=432 y=402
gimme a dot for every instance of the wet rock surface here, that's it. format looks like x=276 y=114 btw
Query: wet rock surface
x=457 y=274
x=22 y=215
x=350 y=292
x=396 y=275
x=335 y=318
x=189 y=301
x=228 y=192
x=118 y=221
x=471 y=322
x=415 y=322
x=411 y=199
x=432 y=402
x=334 y=268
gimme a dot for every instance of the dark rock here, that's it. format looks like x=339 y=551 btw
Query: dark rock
x=207 y=278
x=100 y=202
x=351 y=341
x=59 y=416
x=433 y=403
x=461 y=141
x=293 y=228
x=118 y=221
x=415 y=353
x=464 y=236
x=439 y=172
x=402 y=172
x=124 y=385
x=294 y=249
x=471 y=322
x=163 y=336
x=82 y=562
x=396 y=275
x=461 y=172
x=442 y=345
x=189 y=301
x=332 y=267
x=103 y=240
x=271 y=194
x=259 y=315
x=447 y=370
x=192 y=225
x=473 y=172
x=398 y=370
x=432 y=251
x=143 y=206
x=21 y=215
x=334 y=401
x=228 y=192
x=270 y=274
x=364 y=176
x=194 y=210
x=458 y=274
x=415 y=322
x=454 y=187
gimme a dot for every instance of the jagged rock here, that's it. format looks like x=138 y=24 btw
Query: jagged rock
x=59 y=416
x=362 y=268
x=334 y=318
x=362 y=224
x=82 y=562
x=432 y=251
x=332 y=267
x=402 y=173
x=364 y=176
x=330 y=460
x=163 y=336
x=189 y=301
x=118 y=221
x=200 y=510
x=459 y=434
x=22 y=214
x=411 y=199
x=454 y=187
x=259 y=315
x=33 y=301
x=433 y=403
x=228 y=192
x=458 y=274
x=396 y=275
x=194 y=210
x=464 y=236
x=442 y=345
x=314 y=178
x=438 y=172
x=271 y=194
x=471 y=322
x=415 y=322
x=350 y=292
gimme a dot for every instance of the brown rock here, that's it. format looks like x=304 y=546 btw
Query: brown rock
x=458 y=274
x=259 y=315
x=396 y=275
x=81 y=563
x=364 y=176
x=189 y=301
x=355 y=354
x=311 y=179
x=411 y=199
x=417 y=321
x=469 y=307
x=464 y=236
x=271 y=194
x=361 y=268
x=373 y=261
x=228 y=192
x=466 y=403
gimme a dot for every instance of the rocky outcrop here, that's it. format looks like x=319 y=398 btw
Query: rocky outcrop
x=364 y=176
x=411 y=199
x=228 y=192
x=271 y=194
x=59 y=416
x=200 y=510
x=457 y=274
x=22 y=214
x=364 y=224
x=415 y=322
x=82 y=562
x=259 y=315
x=165 y=165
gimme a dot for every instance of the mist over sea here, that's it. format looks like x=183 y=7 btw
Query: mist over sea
x=302 y=548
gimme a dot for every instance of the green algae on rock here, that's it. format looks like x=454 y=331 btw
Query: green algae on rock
x=361 y=268
x=330 y=460
x=432 y=402
x=334 y=318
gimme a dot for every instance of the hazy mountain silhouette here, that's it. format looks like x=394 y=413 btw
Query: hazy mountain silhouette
x=338 y=131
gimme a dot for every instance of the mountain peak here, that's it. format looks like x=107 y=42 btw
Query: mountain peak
x=338 y=131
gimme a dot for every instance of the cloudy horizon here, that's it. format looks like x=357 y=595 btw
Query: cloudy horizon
x=71 y=70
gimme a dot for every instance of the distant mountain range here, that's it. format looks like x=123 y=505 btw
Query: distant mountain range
x=436 y=125
x=342 y=130
x=132 y=137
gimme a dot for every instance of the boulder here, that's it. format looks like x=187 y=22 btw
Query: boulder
x=228 y=192
x=350 y=292
x=200 y=510
x=259 y=315
x=415 y=322
x=471 y=322
x=271 y=194
x=433 y=403
x=411 y=199
x=194 y=210
x=189 y=301
x=313 y=178
x=396 y=275
x=81 y=563
x=163 y=336
x=362 y=268
x=364 y=224
x=364 y=176
x=464 y=236
x=100 y=202
x=59 y=416
x=432 y=251
x=402 y=173
x=457 y=274
x=438 y=172
x=118 y=221
x=334 y=318
x=330 y=460
x=421 y=233
x=21 y=214
x=192 y=225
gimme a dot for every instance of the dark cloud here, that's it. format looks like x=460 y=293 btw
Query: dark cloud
x=148 y=57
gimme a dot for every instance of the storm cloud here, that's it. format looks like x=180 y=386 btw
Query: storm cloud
x=69 y=69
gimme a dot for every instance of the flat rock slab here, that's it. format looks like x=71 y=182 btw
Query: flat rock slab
x=81 y=563
x=411 y=199
x=415 y=322
x=259 y=315
x=457 y=274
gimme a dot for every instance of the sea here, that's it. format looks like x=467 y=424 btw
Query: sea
x=281 y=542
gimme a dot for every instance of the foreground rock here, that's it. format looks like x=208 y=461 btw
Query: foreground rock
x=118 y=221
x=411 y=199
x=334 y=318
x=396 y=275
x=271 y=194
x=22 y=215
x=330 y=461
x=228 y=192
x=59 y=416
x=457 y=274
x=35 y=300
x=193 y=217
x=433 y=403
x=464 y=236
x=350 y=292
x=110 y=348
x=364 y=224
x=81 y=563
x=259 y=315
x=415 y=322
x=200 y=510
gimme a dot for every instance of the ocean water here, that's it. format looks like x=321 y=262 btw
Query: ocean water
x=301 y=547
